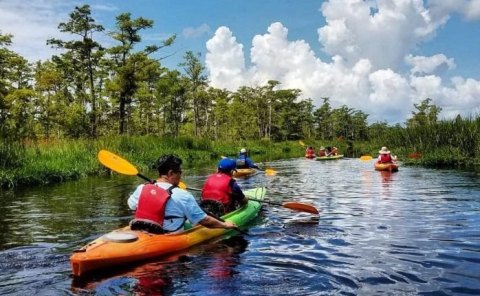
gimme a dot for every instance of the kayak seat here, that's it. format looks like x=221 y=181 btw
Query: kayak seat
x=213 y=206
x=147 y=226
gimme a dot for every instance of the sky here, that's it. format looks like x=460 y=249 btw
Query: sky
x=377 y=56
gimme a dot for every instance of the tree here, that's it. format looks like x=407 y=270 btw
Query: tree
x=426 y=114
x=127 y=63
x=197 y=80
x=85 y=55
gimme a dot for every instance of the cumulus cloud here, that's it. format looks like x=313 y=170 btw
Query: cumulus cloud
x=429 y=65
x=225 y=60
x=371 y=68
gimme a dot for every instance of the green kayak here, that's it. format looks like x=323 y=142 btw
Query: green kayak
x=329 y=157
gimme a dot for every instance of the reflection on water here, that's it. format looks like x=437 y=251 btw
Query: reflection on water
x=413 y=232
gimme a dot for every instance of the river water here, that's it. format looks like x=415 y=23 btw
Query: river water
x=414 y=232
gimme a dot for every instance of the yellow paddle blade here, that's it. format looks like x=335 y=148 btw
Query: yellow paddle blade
x=301 y=207
x=301 y=143
x=366 y=158
x=116 y=163
x=270 y=172
x=182 y=185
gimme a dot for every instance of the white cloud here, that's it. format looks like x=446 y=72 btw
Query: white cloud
x=372 y=68
x=429 y=65
x=31 y=23
x=225 y=60
x=470 y=9
x=196 y=32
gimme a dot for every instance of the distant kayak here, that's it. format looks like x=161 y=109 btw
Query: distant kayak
x=330 y=157
x=124 y=245
x=391 y=167
x=309 y=155
x=244 y=172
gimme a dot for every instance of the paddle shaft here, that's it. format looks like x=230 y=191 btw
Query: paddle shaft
x=266 y=201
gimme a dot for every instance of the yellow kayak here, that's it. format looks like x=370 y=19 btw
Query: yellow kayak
x=391 y=167
x=244 y=172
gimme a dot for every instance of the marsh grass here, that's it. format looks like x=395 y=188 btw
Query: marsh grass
x=61 y=160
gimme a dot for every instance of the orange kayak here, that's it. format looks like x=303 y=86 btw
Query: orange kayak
x=244 y=172
x=123 y=246
x=391 y=167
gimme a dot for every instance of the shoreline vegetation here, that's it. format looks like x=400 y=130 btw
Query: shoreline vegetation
x=115 y=95
x=56 y=161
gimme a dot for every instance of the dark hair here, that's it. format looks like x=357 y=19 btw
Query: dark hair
x=168 y=162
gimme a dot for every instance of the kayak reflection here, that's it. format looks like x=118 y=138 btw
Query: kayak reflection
x=216 y=260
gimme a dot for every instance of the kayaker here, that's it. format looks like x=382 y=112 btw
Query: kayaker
x=322 y=152
x=163 y=207
x=384 y=156
x=334 y=151
x=244 y=162
x=221 y=193
x=310 y=152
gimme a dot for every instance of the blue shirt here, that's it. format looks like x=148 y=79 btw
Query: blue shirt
x=248 y=162
x=181 y=204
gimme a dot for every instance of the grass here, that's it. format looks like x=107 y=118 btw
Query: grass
x=62 y=160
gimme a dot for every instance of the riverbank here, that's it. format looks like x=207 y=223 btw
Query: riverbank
x=57 y=161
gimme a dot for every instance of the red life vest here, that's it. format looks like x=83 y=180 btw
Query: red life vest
x=152 y=203
x=385 y=158
x=217 y=187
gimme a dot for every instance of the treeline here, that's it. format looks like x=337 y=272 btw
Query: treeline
x=91 y=91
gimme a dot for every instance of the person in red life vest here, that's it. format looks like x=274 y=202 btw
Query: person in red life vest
x=322 y=152
x=384 y=156
x=310 y=152
x=163 y=207
x=221 y=193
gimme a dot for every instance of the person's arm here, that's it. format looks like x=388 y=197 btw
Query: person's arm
x=250 y=163
x=237 y=193
x=211 y=222
x=134 y=197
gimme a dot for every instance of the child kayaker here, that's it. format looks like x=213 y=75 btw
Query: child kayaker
x=221 y=193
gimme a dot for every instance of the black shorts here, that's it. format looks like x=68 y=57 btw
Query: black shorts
x=147 y=226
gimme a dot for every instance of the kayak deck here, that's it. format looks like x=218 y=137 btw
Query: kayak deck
x=340 y=156
x=105 y=252
x=391 y=167
x=244 y=172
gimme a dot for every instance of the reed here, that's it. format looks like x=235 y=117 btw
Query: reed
x=62 y=160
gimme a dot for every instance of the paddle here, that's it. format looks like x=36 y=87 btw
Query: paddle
x=296 y=206
x=122 y=166
x=366 y=158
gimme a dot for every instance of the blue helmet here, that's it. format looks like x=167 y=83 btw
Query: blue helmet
x=227 y=164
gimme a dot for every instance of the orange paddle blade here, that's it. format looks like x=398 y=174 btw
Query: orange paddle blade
x=116 y=163
x=366 y=157
x=301 y=143
x=301 y=207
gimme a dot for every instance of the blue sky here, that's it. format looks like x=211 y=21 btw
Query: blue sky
x=378 y=56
